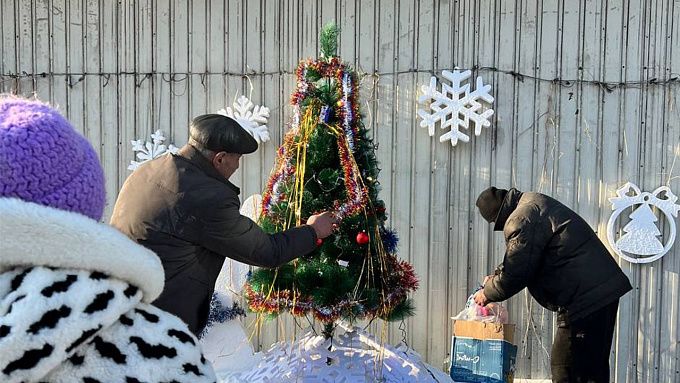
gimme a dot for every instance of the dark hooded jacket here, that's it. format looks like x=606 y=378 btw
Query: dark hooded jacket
x=180 y=207
x=553 y=252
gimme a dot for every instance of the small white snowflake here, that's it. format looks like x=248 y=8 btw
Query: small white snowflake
x=455 y=106
x=147 y=151
x=253 y=121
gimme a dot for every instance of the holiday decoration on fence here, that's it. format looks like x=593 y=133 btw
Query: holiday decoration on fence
x=327 y=162
x=641 y=242
x=253 y=118
x=455 y=106
x=353 y=356
x=147 y=151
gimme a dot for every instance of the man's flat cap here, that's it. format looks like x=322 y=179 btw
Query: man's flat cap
x=220 y=133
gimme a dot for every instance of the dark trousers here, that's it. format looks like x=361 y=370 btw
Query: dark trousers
x=580 y=352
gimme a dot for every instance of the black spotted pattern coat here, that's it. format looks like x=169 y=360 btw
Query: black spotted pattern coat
x=74 y=305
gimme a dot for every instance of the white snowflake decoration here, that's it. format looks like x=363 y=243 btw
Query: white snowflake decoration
x=455 y=106
x=253 y=121
x=641 y=233
x=355 y=356
x=147 y=151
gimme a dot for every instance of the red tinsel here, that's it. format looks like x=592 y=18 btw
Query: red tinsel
x=276 y=301
x=282 y=169
x=357 y=194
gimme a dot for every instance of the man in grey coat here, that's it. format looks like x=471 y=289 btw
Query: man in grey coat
x=185 y=209
x=553 y=252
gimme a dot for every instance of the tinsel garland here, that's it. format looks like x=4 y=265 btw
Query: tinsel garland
x=275 y=301
x=402 y=280
x=221 y=314
x=283 y=168
x=357 y=194
x=346 y=111
x=348 y=101
x=390 y=240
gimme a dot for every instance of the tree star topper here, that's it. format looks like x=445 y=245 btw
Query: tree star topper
x=641 y=233
x=455 y=105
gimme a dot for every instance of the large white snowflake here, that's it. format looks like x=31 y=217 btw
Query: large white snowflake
x=147 y=151
x=455 y=106
x=254 y=121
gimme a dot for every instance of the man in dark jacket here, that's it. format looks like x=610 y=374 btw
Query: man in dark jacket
x=553 y=252
x=184 y=208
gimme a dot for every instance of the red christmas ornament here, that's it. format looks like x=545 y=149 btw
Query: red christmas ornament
x=362 y=238
x=319 y=241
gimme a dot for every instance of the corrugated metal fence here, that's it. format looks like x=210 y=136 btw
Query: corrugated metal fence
x=122 y=69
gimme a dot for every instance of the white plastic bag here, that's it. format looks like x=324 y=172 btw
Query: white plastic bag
x=492 y=312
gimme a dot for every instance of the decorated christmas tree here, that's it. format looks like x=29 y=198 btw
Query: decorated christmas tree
x=327 y=162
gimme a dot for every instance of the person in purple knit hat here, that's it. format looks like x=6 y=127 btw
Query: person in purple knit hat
x=74 y=292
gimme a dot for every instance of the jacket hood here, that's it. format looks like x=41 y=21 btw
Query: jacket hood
x=490 y=202
x=36 y=235
x=509 y=205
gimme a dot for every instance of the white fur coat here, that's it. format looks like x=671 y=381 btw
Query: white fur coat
x=74 y=304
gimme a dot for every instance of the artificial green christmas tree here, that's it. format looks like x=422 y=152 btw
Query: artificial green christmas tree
x=327 y=162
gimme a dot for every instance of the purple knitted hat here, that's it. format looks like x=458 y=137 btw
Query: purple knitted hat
x=45 y=161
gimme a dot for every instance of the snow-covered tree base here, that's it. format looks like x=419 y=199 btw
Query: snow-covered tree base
x=355 y=356
x=227 y=347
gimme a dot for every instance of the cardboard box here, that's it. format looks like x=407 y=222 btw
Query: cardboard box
x=483 y=352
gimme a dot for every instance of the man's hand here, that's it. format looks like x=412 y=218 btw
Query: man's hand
x=480 y=298
x=323 y=224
